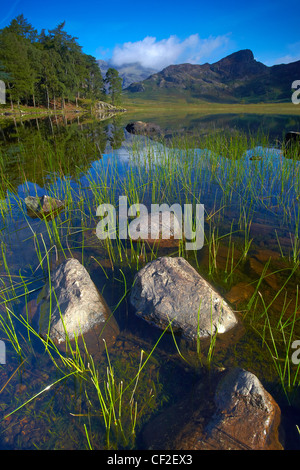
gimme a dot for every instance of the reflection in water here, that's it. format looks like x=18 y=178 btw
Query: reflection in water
x=67 y=146
x=85 y=159
x=275 y=126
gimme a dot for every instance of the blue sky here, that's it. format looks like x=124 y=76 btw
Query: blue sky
x=158 y=33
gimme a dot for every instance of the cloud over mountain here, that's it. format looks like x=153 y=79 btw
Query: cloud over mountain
x=157 y=54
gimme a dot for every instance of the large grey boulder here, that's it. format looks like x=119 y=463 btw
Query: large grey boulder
x=76 y=304
x=170 y=289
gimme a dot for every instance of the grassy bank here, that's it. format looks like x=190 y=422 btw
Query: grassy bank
x=150 y=108
x=182 y=106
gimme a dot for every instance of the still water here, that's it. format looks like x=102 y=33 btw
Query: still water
x=251 y=245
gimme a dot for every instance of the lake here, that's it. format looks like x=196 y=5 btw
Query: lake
x=232 y=164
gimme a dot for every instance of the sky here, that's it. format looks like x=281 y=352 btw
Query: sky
x=158 y=33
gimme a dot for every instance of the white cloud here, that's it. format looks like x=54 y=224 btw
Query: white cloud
x=155 y=54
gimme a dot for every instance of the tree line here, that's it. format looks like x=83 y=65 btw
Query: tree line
x=50 y=69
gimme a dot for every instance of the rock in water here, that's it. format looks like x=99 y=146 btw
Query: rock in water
x=247 y=417
x=143 y=128
x=160 y=227
x=38 y=207
x=170 y=289
x=77 y=306
x=228 y=410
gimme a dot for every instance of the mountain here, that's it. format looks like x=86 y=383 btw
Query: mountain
x=235 y=78
x=130 y=73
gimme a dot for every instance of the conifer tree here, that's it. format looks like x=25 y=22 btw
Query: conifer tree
x=114 y=82
x=46 y=67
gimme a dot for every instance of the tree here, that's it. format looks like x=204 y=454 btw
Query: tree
x=114 y=82
x=68 y=50
x=94 y=81
x=17 y=54
x=21 y=27
x=14 y=58
x=47 y=67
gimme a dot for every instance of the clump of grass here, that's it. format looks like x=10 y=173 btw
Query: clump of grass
x=278 y=339
x=118 y=405
x=219 y=174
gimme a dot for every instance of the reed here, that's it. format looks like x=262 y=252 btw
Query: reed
x=278 y=339
x=215 y=170
x=118 y=406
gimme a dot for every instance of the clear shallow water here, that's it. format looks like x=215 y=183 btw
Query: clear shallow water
x=56 y=418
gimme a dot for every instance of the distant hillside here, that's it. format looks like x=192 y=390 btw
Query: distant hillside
x=236 y=78
x=130 y=73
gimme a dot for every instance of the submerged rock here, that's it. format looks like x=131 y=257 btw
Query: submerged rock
x=77 y=306
x=229 y=410
x=246 y=417
x=239 y=293
x=38 y=207
x=170 y=289
x=159 y=227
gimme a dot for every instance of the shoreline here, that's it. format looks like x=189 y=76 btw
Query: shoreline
x=35 y=112
x=149 y=106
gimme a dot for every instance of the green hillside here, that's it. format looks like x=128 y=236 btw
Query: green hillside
x=238 y=78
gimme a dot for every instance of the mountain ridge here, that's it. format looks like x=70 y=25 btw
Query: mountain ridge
x=237 y=77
